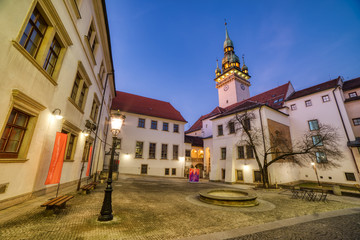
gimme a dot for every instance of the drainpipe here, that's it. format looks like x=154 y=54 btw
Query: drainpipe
x=346 y=133
x=97 y=128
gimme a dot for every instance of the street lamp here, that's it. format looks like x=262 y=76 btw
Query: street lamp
x=117 y=120
x=317 y=177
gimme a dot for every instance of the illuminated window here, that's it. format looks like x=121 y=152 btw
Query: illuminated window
x=139 y=149
x=14 y=132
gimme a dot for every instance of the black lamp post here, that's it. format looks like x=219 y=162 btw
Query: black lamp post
x=106 y=210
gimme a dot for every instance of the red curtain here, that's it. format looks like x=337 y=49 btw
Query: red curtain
x=89 y=162
x=57 y=159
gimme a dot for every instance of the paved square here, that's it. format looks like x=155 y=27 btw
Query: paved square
x=156 y=208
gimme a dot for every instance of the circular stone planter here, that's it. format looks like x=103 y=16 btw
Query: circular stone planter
x=228 y=197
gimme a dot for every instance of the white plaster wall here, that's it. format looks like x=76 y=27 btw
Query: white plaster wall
x=207 y=128
x=325 y=113
x=233 y=94
x=130 y=134
x=19 y=73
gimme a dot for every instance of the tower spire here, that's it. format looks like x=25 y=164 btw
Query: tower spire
x=244 y=68
x=217 y=70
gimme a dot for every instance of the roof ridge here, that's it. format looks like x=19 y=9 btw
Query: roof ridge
x=145 y=97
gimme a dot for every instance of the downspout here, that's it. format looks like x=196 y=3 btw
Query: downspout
x=346 y=133
x=97 y=124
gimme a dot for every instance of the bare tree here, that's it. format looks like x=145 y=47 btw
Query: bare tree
x=319 y=144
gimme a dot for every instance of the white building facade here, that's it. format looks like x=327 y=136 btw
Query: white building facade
x=227 y=158
x=56 y=59
x=152 y=137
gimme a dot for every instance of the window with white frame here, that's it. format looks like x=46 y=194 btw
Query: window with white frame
x=356 y=121
x=308 y=103
x=352 y=94
x=325 y=98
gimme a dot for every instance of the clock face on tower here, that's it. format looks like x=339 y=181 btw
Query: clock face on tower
x=226 y=87
x=242 y=86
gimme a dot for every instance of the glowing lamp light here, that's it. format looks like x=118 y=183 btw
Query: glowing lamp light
x=246 y=167
x=117 y=121
x=182 y=159
x=57 y=113
x=86 y=132
x=312 y=164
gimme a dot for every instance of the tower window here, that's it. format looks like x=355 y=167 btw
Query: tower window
x=308 y=103
x=293 y=107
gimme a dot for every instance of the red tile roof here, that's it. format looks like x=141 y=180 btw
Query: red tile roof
x=351 y=84
x=132 y=103
x=270 y=98
x=274 y=97
x=196 y=126
x=314 y=89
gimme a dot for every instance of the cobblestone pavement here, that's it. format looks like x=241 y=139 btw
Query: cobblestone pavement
x=342 y=227
x=157 y=208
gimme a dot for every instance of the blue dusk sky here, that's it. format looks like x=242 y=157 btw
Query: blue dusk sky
x=167 y=49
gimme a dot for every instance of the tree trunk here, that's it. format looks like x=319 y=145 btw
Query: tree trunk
x=265 y=177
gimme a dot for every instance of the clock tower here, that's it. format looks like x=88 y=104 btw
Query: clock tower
x=232 y=81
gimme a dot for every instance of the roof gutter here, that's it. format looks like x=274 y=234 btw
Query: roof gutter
x=109 y=42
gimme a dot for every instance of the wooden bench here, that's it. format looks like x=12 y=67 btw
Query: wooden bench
x=86 y=189
x=94 y=184
x=58 y=202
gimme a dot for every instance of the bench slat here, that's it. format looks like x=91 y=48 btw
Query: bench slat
x=53 y=201
x=63 y=201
